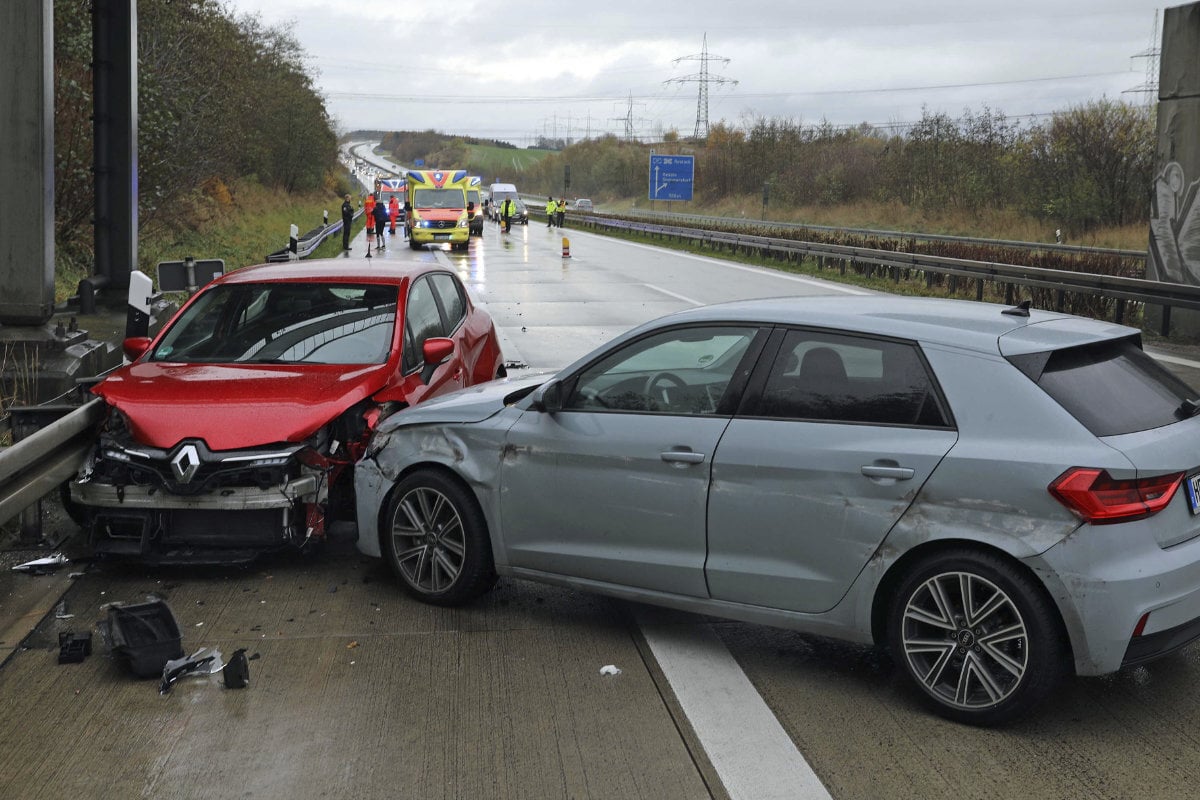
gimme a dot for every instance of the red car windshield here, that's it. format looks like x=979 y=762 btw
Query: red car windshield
x=284 y=323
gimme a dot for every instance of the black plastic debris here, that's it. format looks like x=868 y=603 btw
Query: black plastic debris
x=145 y=637
x=237 y=672
x=73 y=648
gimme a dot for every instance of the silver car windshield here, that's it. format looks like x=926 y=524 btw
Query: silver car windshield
x=283 y=323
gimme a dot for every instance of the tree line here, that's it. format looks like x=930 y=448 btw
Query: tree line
x=221 y=98
x=1084 y=167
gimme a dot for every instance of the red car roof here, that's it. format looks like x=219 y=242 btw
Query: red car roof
x=331 y=269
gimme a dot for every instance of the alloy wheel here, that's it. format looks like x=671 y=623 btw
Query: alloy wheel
x=428 y=540
x=965 y=640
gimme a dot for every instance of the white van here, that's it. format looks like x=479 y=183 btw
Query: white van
x=499 y=191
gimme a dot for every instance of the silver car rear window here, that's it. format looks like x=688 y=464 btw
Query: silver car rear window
x=1111 y=387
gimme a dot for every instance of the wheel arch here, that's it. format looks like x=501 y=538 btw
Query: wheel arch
x=890 y=582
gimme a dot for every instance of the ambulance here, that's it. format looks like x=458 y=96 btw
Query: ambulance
x=440 y=210
x=475 y=195
x=387 y=188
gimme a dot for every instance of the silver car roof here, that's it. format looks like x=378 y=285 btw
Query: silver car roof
x=962 y=324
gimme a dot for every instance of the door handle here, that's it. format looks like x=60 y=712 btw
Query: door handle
x=681 y=457
x=895 y=473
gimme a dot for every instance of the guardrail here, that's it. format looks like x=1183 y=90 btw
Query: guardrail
x=38 y=463
x=1122 y=289
x=753 y=224
x=309 y=242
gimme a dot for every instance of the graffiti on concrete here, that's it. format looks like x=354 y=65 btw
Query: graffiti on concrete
x=1175 y=226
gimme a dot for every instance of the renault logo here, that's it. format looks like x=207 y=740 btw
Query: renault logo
x=185 y=463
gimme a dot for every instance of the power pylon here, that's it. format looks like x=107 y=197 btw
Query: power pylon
x=1152 y=55
x=703 y=78
x=627 y=119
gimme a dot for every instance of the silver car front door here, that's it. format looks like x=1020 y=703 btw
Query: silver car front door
x=612 y=486
x=832 y=443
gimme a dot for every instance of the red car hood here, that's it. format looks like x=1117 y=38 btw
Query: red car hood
x=232 y=407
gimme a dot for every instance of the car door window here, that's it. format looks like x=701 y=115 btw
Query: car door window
x=449 y=291
x=422 y=320
x=835 y=378
x=680 y=371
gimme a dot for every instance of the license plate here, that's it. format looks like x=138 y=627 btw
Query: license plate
x=441 y=237
x=1193 y=493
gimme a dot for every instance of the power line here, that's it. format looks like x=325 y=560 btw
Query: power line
x=507 y=99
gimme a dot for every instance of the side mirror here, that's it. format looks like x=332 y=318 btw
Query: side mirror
x=135 y=347
x=435 y=351
x=548 y=398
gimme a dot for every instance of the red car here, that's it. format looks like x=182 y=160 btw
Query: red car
x=235 y=430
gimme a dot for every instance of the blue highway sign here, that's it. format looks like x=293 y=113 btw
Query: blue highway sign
x=671 y=177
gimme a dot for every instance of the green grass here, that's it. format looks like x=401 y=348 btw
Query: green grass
x=243 y=232
x=503 y=162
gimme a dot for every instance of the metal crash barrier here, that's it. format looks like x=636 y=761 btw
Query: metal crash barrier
x=50 y=444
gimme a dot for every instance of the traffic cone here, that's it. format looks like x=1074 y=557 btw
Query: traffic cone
x=566 y=247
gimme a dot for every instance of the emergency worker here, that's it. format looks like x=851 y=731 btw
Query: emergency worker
x=507 y=209
x=369 y=214
x=560 y=211
x=551 y=207
x=393 y=213
x=347 y=221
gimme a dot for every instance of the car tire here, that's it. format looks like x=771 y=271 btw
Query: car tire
x=435 y=540
x=414 y=244
x=977 y=636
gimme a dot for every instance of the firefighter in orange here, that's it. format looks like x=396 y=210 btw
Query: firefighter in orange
x=369 y=214
x=393 y=213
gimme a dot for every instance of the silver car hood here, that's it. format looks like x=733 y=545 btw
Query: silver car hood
x=473 y=404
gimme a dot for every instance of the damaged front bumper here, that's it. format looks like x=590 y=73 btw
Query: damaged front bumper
x=230 y=498
x=132 y=505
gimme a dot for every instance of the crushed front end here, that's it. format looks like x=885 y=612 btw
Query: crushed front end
x=192 y=505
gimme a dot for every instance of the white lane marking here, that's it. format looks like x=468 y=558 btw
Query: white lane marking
x=1183 y=362
x=767 y=273
x=749 y=749
x=673 y=294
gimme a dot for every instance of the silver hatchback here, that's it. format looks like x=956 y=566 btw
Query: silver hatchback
x=999 y=495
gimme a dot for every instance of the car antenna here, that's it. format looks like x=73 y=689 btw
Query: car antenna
x=1021 y=309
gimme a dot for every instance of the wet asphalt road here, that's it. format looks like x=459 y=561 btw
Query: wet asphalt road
x=360 y=691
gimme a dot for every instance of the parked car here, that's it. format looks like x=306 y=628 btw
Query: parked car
x=999 y=495
x=584 y=204
x=235 y=430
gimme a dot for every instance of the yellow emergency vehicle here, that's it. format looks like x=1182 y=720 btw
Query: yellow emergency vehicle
x=439 y=208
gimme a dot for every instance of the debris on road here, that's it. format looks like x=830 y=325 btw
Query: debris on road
x=205 y=661
x=237 y=672
x=610 y=669
x=42 y=566
x=73 y=647
x=144 y=636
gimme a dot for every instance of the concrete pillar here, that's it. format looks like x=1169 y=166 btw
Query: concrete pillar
x=1175 y=198
x=26 y=161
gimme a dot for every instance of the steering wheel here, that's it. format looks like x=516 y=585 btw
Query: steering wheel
x=662 y=377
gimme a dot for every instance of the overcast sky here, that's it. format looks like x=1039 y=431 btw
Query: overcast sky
x=517 y=69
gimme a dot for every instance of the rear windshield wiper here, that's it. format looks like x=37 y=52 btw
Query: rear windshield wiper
x=1188 y=408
